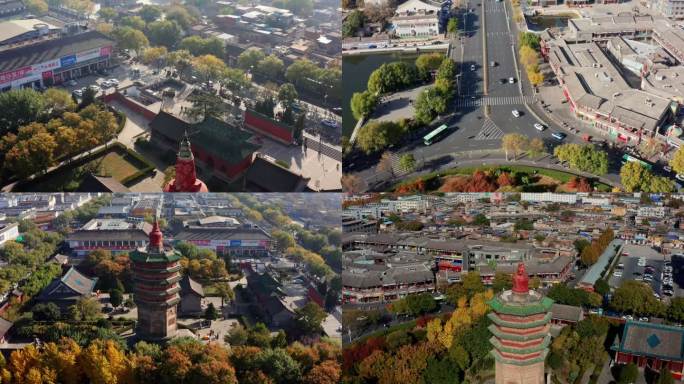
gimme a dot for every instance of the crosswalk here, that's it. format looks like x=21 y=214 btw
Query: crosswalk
x=489 y=131
x=495 y=100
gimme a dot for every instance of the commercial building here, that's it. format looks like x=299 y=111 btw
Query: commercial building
x=54 y=61
x=599 y=95
x=370 y=277
x=245 y=241
x=115 y=235
x=15 y=33
x=352 y=225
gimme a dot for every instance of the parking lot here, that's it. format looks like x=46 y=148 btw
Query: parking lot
x=654 y=261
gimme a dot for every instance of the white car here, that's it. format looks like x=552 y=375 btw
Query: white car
x=667 y=168
x=113 y=82
x=515 y=113
x=105 y=84
x=511 y=80
x=617 y=274
x=472 y=67
x=679 y=177
x=78 y=93
x=644 y=319
x=538 y=127
x=71 y=83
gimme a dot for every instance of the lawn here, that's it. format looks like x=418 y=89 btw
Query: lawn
x=115 y=165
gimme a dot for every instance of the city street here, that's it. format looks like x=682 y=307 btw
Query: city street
x=471 y=128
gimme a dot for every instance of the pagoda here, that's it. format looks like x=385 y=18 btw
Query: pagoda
x=520 y=331
x=156 y=273
x=186 y=174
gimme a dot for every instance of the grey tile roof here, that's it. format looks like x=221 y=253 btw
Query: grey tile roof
x=51 y=49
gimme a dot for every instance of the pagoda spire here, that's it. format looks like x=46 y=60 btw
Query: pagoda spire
x=156 y=238
x=521 y=281
x=186 y=173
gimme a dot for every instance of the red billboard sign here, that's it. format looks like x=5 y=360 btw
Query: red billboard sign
x=6 y=77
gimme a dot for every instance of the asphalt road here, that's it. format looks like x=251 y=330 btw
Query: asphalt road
x=470 y=128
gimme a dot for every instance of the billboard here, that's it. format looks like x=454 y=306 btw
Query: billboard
x=9 y=76
x=67 y=61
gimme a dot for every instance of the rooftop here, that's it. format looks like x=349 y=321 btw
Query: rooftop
x=52 y=49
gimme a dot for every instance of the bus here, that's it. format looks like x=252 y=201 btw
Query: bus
x=435 y=135
x=626 y=157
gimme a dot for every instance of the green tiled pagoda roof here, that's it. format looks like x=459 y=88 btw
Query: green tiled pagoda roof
x=499 y=358
x=537 y=348
x=144 y=257
x=511 y=336
x=544 y=305
x=511 y=324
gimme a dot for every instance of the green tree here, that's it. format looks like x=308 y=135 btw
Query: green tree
x=20 y=107
x=429 y=104
x=665 y=376
x=637 y=298
x=37 y=7
x=181 y=60
x=377 y=135
x=283 y=240
x=628 y=374
x=116 y=297
x=677 y=161
x=129 y=38
x=363 y=103
x=225 y=292
x=107 y=14
x=287 y=94
x=309 y=318
x=46 y=312
x=271 y=67
x=85 y=309
x=407 y=162
x=135 y=22
x=675 y=312
x=443 y=371
x=58 y=101
x=163 y=32
x=586 y=158
x=181 y=16
x=392 y=77
x=250 y=58
x=150 y=13
x=428 y=62
x=502 y=281
x=529 y=39
x=352 y=23
x=211 y=313
x=209 y=67
x=452 y=25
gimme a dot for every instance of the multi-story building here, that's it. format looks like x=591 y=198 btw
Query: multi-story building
x=549 y=197
x=352 y=225
x=8 y=232
x=115 y=235
x=244 y=241
x=673 y=9
x=371 y=278
x=416 y=19
x=55 y=60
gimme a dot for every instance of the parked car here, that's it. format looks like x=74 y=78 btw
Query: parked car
x=538 y=127
x=72 y=83
x=511 y=80
x=515 y=113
